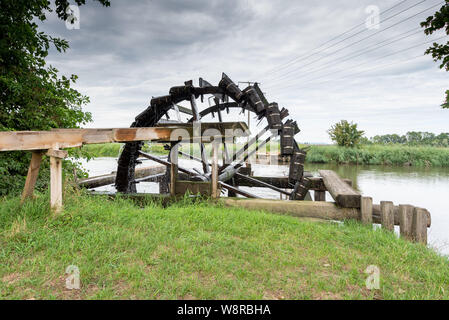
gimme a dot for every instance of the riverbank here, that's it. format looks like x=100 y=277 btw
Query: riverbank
x=394 y=155
x=389 y=155
x=202 y=251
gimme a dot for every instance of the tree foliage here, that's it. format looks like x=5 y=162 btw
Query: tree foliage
x=345 y=134
x=32 y=94
x=439 y=52
x=414 y=138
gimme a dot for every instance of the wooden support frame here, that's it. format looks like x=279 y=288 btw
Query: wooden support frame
x=33 y=173
x=215 y=191
x=56 y=157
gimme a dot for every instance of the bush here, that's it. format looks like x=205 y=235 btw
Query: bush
x=345 y=134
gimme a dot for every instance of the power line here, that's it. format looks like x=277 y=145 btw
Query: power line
x=380 y=58
x=282 y=66
x=362 y=51
x=284 y=76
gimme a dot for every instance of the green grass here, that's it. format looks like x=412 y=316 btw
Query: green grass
x=114 y=149
x=380 y=155
x=202 y=251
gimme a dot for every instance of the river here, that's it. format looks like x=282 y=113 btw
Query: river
x=421 y=187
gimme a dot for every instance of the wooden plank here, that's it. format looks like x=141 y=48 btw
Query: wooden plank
x=320 y=195
x=55 y=184
x=387 y=215
x=173 y=169
x=33 y=173
x=419 y=225
x=70 y=138
x=405 y=221
x=377 y=215
x=214 y=173
x=193 y=187
x=343 y=194
x=106 y=179
x=366 y=210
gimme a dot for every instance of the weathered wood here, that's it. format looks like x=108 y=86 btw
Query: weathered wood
x=33 y=173
x=104 y=180
x=193 y=187
x=377 y=215
x=237 y=190
x=320 y=195
x=343 y=194
x=419 y=225
x=253 y=182
x=406 y=220
x=306 y=209
x=387 y=215
x=61 y=154
x=173 y=169
x=366 y=210
x=70 y=138
x=55 y=184
x=214 y=173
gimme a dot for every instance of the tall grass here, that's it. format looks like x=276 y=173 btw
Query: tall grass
x=380 y=155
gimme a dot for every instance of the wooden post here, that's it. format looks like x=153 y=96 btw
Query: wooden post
x=387 y=215
x=173 y=169
x=320 y=195
x=405 y=221
x=366 y=210
x=214 y=176
x=419 y=225
x=56 y=157
x=33 y=172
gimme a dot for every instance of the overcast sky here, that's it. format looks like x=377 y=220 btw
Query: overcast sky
x=134 y=50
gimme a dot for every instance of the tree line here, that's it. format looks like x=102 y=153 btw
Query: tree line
x=412 y=138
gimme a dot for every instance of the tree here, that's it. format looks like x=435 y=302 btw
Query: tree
x=32 y=95
x=345 y=134
x=439 y=52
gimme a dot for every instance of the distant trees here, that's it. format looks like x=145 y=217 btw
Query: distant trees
x=413 y=138
x=345 y=134
x=439 y=52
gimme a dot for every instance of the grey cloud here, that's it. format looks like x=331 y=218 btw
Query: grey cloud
x=134 y=50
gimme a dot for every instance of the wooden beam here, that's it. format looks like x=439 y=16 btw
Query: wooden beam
x=306 y=209
x=33 y=173
x=342 y=193
x=56 y=184
x=70 y=138
x=106 y=179
x=214 y=173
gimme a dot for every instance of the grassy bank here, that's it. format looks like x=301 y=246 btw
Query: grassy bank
x=202 y=251
x=380 y=155
x=114 y=149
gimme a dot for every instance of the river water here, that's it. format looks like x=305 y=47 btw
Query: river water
x=421 y=187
